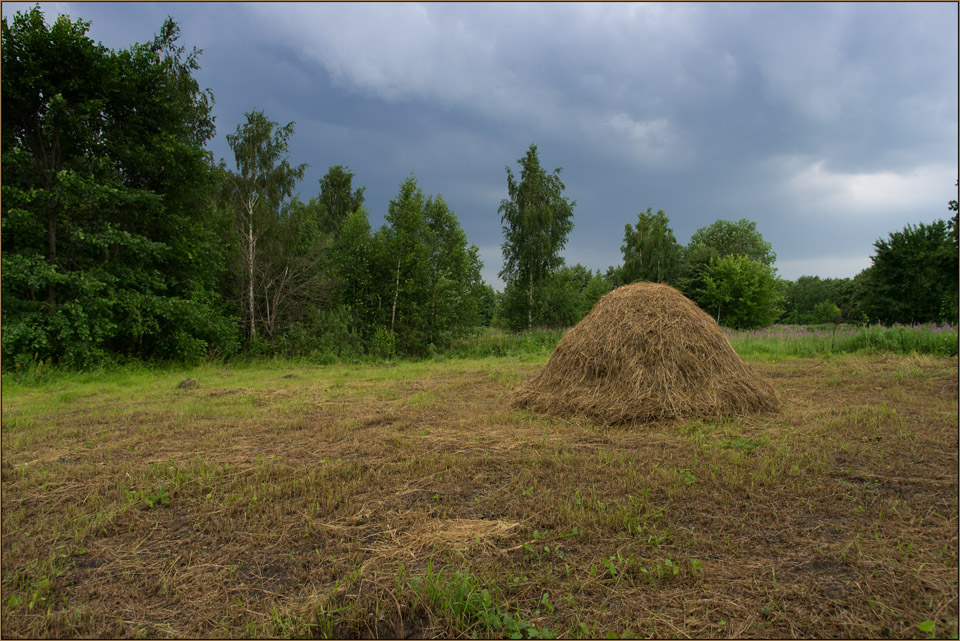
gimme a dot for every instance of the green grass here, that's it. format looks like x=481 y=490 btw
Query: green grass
x=778 y=341
x=815 y=340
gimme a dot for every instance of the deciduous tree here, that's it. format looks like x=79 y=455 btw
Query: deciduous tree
x=337 y=198
x=263 y=180
x=109 y=224
x=650 y=250
x=913 y=278
x=536 y=219
x=739 y=292
x=720 y=239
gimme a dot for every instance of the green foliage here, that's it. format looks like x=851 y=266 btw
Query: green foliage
x=562 y=300
x=455 y=282
x=492 y=342
x=487 y=301
x=337 y=199
x=466 y=605
x=650 y=250
x=558 y=301
x=110 y=245
x=268 y=274
x=739 y=292
x=740 y=238
x=598 y=287
x=416 y=276
x=383 y=344
x=720 y=239
x=352 y=258
x=913 y=278
x=827 y=312
x=801 y=299
x=536 y=219
x=409 y=256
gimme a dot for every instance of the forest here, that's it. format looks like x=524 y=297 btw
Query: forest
x=124 y=239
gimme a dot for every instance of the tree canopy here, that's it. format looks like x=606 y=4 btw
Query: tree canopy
x=109 y=215
x=913 y=278
x=259 y=188
x=536 y=219
x=650 y=250
x=739 y=292
x=123 y=239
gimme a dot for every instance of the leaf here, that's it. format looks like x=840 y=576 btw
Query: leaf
x=925 y=626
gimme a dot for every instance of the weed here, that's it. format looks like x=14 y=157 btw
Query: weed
x=740 y=444
x=686 y=476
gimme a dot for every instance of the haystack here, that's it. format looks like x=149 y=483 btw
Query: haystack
x=646 y=352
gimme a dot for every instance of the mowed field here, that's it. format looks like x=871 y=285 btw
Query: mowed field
x=411 y=500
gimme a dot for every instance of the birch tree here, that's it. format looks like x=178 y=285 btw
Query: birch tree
x=405 y=239
x=263 y=180
x=536 y=220
x=650 y=250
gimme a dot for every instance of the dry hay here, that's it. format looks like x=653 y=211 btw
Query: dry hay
x=644 y=353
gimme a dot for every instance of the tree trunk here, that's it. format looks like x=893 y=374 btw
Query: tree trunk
x=250 y=257
x=530 y=304
x=50 y=163
x=52 y=250
x=640 y=252
x=396 y=295
x=433 y=294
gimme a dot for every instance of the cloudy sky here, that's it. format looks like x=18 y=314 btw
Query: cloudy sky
x=828 y=124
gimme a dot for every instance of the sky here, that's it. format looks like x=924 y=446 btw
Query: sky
x=828 y=124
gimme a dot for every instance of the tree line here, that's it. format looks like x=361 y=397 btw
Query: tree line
x=123 y=238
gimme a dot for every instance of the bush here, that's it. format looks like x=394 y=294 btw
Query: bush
x=383 y=344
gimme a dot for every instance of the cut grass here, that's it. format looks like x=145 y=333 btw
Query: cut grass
x=409 y=499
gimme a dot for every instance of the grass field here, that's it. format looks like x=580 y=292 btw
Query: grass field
x=410 y=499
x=790 y=341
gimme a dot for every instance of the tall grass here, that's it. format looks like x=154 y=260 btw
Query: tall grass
x=489 y=341
x=812 y=340
x=778 y=341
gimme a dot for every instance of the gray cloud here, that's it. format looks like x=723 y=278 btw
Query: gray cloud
x=829 y=124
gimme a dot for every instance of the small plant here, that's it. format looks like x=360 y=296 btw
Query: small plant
x=687 y=476
x=612 y=568
x=927 y=627
x=151 y=499
x=741 y=444
x=461 y=598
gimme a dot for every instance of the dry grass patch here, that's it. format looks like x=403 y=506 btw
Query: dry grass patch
x=412 y=500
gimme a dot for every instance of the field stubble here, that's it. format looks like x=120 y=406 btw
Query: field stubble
x=412 y=500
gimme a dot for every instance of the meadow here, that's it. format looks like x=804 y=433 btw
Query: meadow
x=409 y=499
x=815 y=340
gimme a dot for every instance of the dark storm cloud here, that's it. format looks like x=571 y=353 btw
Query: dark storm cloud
x=828 y=124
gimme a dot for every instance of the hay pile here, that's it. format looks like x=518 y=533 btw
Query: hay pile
x=646 y=352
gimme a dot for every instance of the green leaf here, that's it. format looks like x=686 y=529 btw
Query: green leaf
x=925 y=626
